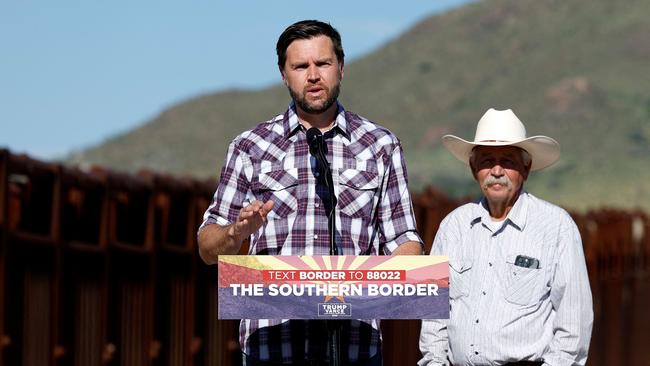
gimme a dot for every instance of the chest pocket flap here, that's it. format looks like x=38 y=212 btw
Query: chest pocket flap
x=280 y=186
x=277 y=180
x=459 y=278
x=359 y=179
x=357 y=192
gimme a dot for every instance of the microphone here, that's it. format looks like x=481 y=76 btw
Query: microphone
x=317 y=149
x=314 y=139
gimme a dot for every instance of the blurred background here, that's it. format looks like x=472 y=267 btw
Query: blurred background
x=115 y=119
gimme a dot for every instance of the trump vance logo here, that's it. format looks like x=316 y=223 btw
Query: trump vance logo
x=334 y=310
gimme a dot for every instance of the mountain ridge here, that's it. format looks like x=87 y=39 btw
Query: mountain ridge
x=572 y=70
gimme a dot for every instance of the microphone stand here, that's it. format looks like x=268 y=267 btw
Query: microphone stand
x=329 y=183
x=317 y=148
x=333 y=326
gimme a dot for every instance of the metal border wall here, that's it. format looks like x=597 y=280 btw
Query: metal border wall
x=101 y=268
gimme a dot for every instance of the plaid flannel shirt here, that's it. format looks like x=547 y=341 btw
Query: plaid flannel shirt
x=374 y=215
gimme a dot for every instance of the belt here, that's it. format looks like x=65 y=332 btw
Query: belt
x=519 y=363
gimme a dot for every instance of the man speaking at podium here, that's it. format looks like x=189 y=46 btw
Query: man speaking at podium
x=277 y=188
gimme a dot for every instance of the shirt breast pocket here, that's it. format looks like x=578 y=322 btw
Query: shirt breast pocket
x=459 y=281
x=279 y=186
x=523 y=286
x=357 y=192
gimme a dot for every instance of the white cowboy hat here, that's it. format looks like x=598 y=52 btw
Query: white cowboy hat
x=503 y=128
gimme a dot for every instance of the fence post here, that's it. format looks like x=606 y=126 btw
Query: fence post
x=5 y=340
x=32 y=254
x=173 y=218
x=83 y=228
x=131 y=294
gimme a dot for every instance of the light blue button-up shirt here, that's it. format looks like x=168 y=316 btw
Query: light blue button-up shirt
x=502 y=312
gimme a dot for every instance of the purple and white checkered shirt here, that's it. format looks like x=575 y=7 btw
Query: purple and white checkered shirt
x=374 y=215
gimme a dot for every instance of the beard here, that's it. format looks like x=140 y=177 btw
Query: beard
x=300 y=98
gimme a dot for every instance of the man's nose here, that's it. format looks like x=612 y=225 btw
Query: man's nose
x=497 y=170
x=313 y=73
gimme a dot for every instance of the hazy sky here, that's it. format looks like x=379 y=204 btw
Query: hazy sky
x=73 y=73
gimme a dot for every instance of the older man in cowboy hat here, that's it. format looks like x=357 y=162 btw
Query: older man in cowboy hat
x=519 y=291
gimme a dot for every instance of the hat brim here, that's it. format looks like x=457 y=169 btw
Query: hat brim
x=543 y=150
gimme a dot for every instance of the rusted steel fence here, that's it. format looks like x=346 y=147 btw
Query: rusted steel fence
x=101 y=268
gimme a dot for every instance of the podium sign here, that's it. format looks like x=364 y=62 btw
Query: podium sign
x=333 y=287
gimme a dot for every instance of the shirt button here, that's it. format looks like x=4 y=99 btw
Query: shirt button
x=317 y=204
x=484 y=292
x=490 y=263
x=476 y=321
x=317 y=174
x=315 y=236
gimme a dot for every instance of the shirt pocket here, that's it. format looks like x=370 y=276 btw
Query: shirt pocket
x=523 y=286
x=357 y=192
x=279 y=186
x=459 y=281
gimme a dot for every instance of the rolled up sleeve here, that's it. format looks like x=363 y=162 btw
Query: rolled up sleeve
x=233 y=190
x=396 y=218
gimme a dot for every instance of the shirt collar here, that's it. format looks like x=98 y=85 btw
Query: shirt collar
x=516 y=217
x=291 y=123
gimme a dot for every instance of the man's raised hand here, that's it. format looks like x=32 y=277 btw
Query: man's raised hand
x=250 y=219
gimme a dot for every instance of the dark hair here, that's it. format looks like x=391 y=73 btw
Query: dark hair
x=307 y=29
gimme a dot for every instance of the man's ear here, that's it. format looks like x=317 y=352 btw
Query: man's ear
x=284 y=78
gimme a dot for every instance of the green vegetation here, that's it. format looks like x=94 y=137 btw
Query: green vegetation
x=573 y=70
